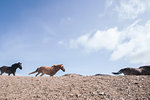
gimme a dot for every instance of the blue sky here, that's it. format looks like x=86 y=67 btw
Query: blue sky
x=87 y=36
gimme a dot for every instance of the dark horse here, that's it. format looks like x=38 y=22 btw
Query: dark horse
x=10 y=70
x=143 y=70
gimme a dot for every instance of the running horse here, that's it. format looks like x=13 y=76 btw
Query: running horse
x=10 y=70
x=143 y=70
x=48 y=70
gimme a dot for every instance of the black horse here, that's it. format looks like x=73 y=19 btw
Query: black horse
x=10 y=70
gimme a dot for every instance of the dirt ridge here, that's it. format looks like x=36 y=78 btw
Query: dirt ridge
x=75 y=87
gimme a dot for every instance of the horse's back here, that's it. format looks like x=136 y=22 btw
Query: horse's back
x=146 y=66
x=4 y=67
x=131 y=71
x=44 y=69
x=145 y=69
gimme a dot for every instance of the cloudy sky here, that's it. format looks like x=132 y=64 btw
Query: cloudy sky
x=87 y=36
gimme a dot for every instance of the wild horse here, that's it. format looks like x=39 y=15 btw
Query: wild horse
x=10 y=70
x=143 y=70
x=49 y=70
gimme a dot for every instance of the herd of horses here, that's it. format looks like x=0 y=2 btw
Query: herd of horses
x=142 y=70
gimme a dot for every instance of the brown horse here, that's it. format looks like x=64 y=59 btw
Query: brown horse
x=12 y=69
x=132 y=71
x=49 y=70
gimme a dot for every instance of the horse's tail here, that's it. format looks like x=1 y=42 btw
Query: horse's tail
x=119 y=72
x=34 y=71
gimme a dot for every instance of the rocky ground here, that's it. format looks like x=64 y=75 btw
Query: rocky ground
x=75 y=87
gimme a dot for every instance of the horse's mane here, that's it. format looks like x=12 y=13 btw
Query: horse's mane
x=54 y=65
x=15 y=64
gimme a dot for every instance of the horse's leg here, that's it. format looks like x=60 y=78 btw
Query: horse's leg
x=37 y=74
x=14 y=74
x=1 y=73
x=9 y=74
x=42 y=74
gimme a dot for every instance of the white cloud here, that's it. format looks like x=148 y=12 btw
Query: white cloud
x=99 y=40
x=130 y=9
x=131 y=43
x=109 y=3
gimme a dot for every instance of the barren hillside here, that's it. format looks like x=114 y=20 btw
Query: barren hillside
x=75 y=87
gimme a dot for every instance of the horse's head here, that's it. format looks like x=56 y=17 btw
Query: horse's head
x=19 y=65
x=60 y=66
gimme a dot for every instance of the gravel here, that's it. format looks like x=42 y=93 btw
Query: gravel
x=75 y=87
